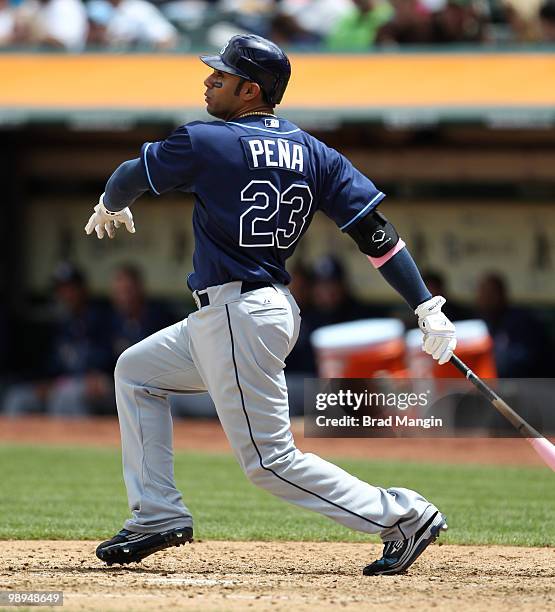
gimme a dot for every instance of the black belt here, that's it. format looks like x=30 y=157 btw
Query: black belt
x=246 y=286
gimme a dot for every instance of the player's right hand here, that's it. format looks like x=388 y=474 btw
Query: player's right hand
x=439 y=333
x=105 y=221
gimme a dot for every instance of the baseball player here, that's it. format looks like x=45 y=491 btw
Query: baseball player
x=257 y=180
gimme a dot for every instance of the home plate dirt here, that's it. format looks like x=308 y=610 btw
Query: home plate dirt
x=283 y=576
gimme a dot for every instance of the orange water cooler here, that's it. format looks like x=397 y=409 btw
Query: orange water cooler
x=360 y=349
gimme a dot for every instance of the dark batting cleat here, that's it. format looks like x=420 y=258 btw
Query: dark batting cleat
x=399 y=555
x=129 y=546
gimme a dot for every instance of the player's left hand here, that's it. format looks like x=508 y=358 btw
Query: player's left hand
x=439 y=333
x=105 y=221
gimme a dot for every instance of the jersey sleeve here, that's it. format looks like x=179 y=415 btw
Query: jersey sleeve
x=170 y=164
x=347 y=194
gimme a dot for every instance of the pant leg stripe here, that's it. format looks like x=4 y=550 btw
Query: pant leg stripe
x=260 y=456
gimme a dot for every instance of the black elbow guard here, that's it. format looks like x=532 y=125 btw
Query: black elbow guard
x=374 y=234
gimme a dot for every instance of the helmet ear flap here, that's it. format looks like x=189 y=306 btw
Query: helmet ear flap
x=278 y=90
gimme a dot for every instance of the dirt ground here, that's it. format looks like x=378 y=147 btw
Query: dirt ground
x=300 y=576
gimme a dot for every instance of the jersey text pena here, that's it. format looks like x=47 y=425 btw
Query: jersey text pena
x=266 y=153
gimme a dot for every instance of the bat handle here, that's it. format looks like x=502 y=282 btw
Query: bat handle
x=474 y=379
x=515 y=419
x=460 y=365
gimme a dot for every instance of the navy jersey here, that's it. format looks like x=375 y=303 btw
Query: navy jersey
x=257 y=182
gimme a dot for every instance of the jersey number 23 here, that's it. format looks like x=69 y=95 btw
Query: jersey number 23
x=274 y=219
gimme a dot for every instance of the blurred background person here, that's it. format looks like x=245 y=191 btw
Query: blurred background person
x=358 y=29
x=522 y=345
x=98 y=15
x=410 y=23
x=459 y=21
x=514 y=20
x=77 y=375
x=129 y=23
x=7 y=23
x=547 y=21
x=436 y=283
x=307 y=22
x=59 y=24
x=241 y=17
x=134 y=317
x=332 y=299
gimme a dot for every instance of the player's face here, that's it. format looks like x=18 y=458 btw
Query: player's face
x=221 y=96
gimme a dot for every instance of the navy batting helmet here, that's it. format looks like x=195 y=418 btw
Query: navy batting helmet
x=256 y=59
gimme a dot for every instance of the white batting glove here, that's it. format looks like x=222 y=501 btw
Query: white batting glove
x=439 y=333
x=103 y=220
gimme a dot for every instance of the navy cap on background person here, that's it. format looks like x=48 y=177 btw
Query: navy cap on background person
x=66 y=273
x=328 y=268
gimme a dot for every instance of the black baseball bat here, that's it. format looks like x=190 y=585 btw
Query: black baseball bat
x=541 y=445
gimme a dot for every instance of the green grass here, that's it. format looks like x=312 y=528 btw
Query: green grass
x=78 y=493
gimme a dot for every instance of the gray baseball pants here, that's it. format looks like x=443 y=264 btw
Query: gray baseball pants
x=235 y=349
